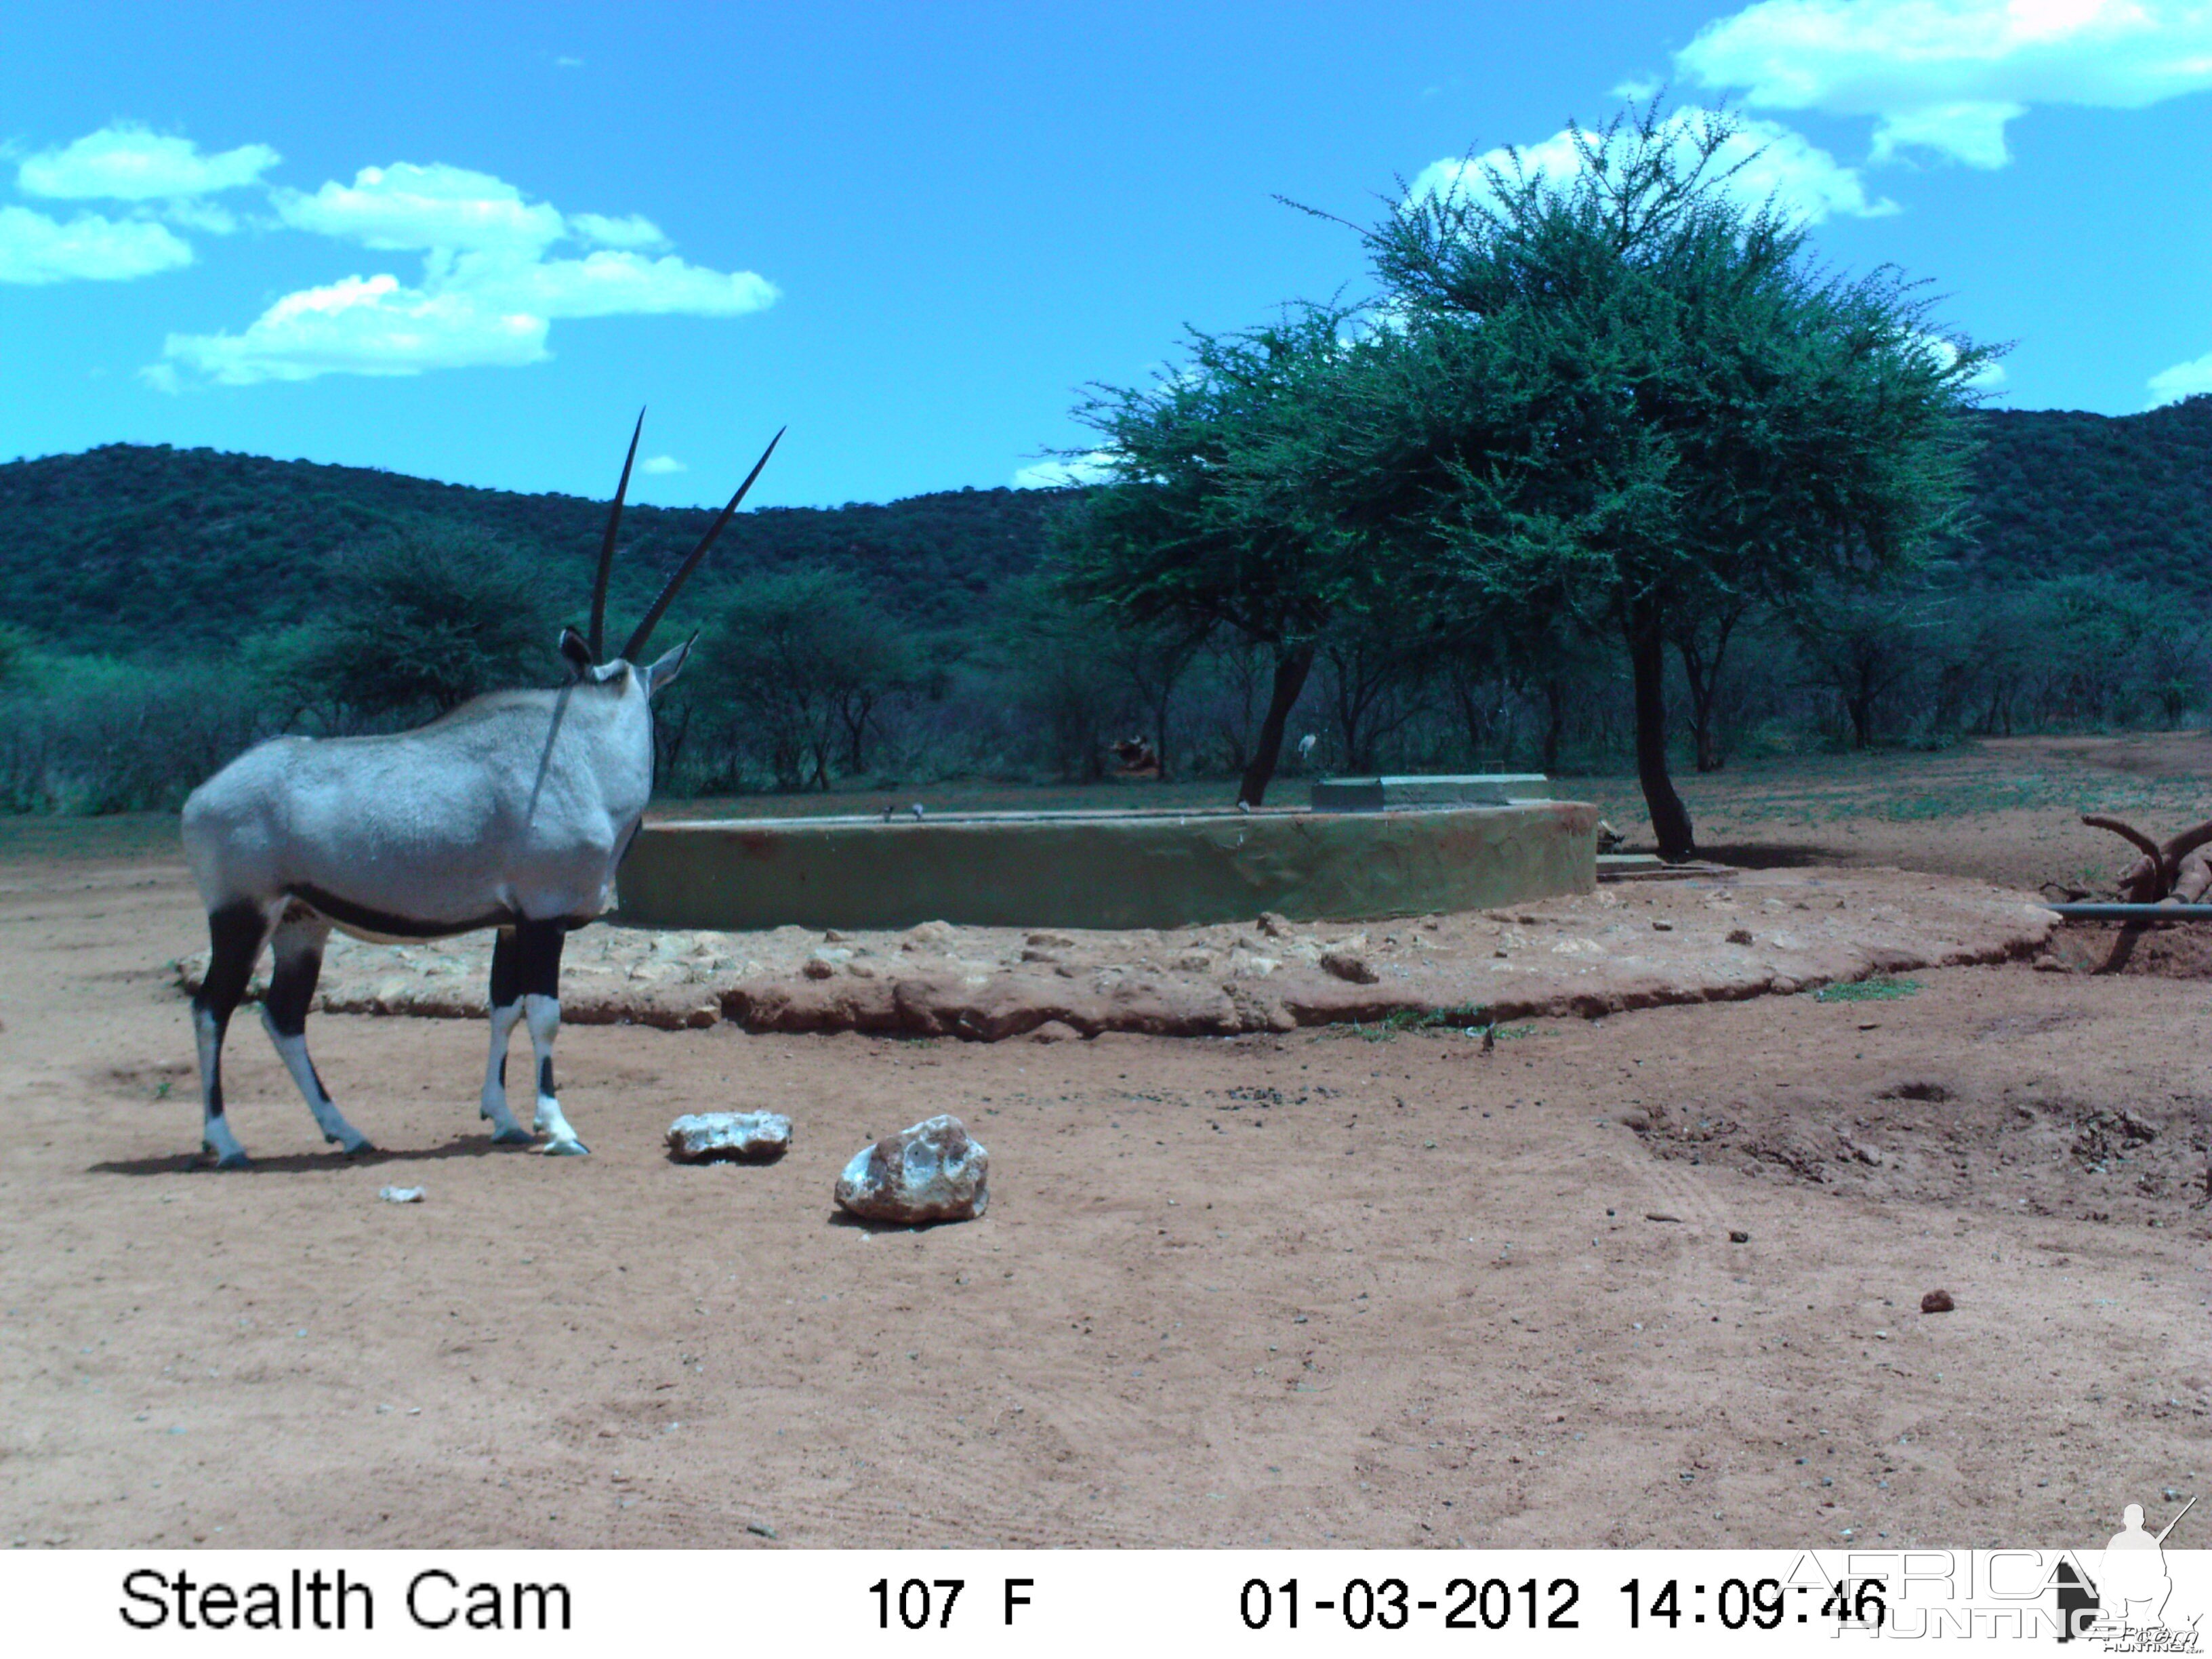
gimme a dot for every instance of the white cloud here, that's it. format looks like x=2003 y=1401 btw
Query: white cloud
x=362 y=325
x=606 y=284
x=1806 y=181
x=2171 y=386
x=129 y=163
x=1065 y=471
x=1946 y=75
x=1987 y=378
x=489 y=290
x=637 y=231
x=211 y=217
x=407 y=206
x=659 y=466
x=35 y=249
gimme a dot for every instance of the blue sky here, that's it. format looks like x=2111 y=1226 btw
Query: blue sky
x=468 y=242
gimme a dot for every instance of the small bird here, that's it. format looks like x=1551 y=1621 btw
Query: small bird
x=1306 y=747
x=1244 y=806
x=916 y=810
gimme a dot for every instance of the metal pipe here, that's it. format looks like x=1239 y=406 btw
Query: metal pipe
x=2132 y=912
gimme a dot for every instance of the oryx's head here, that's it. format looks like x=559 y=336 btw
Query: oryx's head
x=586 y=655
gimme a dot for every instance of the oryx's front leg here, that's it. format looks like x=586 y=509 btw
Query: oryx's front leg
x=527 y=982
x=505 y=1015
x=235 y=932
x=297 y=951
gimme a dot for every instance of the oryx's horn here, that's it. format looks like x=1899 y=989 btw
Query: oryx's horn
x=645 y=629
x=598 y=641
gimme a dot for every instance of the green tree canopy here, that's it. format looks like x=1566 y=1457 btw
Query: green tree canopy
x=1626 y=389
x=797 y=667
x=421 y=622
x=1202 y=525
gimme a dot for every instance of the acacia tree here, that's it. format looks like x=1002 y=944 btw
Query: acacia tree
x=1627 y=388
x=797 y=667
x=1202 y=525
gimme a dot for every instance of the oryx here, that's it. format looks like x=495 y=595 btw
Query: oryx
x=511 y=811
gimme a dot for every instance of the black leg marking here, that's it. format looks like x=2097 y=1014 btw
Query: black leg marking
x=502 y=1071
x=506 y=983
x=545 y=1077
x=292 y=987
x=235 y=932
x=538 y=957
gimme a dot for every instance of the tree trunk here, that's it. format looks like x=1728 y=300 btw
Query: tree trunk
x=1555 y=721
x=1292 y=667
x=1647 y=655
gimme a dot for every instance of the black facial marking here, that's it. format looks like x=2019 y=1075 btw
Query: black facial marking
x=545 y=1077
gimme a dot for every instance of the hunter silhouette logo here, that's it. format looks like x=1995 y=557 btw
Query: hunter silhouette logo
x=2122 y=1604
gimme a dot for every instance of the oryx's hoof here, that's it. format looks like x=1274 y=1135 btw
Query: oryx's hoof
x=228 y=1160
x=513 y=1135
x=361 y=1148
x=566 y=1149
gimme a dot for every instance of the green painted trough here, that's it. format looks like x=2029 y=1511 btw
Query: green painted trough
x=1105 y=869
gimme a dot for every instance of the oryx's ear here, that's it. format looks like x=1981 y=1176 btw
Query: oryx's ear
x=574 y=648
x=667 y=668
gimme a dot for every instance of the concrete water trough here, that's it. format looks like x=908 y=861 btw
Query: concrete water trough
x=1105 y=868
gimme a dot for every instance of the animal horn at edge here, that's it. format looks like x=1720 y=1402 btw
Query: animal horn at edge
x=637 y=640
x=598 y=641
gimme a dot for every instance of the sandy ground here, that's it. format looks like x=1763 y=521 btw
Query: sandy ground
x=1333 y=1284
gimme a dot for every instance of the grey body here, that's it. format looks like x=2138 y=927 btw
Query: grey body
x=515 y=807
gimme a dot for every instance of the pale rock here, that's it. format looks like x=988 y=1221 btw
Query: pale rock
x=930 y=1172
x=1054 y=1030
x=734 y=1137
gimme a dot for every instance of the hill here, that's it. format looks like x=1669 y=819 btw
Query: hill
x=139 y=550
x=135 y=549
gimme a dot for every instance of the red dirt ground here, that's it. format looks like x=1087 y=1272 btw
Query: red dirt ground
x=1321 y=1286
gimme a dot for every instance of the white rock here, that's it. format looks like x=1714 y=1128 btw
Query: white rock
x=930 y=1172
x=401 y=1194
x=738 y=1136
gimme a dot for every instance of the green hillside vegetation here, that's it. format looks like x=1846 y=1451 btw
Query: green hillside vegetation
x=128 y=550
x=165 y=608
x=2061 y=493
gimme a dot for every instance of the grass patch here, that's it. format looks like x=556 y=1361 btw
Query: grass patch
x=1465 y=1019
x=1879 y=987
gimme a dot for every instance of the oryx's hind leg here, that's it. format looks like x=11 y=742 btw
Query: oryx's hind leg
x=538 y=970
x=297 y=949
x=235 y=932
x=505 y=1015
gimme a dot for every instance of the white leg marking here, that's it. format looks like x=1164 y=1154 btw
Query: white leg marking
x=292 y=1051
x=492 y=1104
x=214 y=1130
x=544 y=1014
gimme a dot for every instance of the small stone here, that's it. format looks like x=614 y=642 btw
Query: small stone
x=816 y=968
x=401 y=1194
x=1937 y=1301
x=729 y=1137
x=759 y=1529
x=1275 y=925
x=1054 y=1030
x=1661 y=924
x=1737 y=1236
x=1049 y=941
x=1349 y=965
x=929 y=1172
x=1738 y=936
x=1659 y=1215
